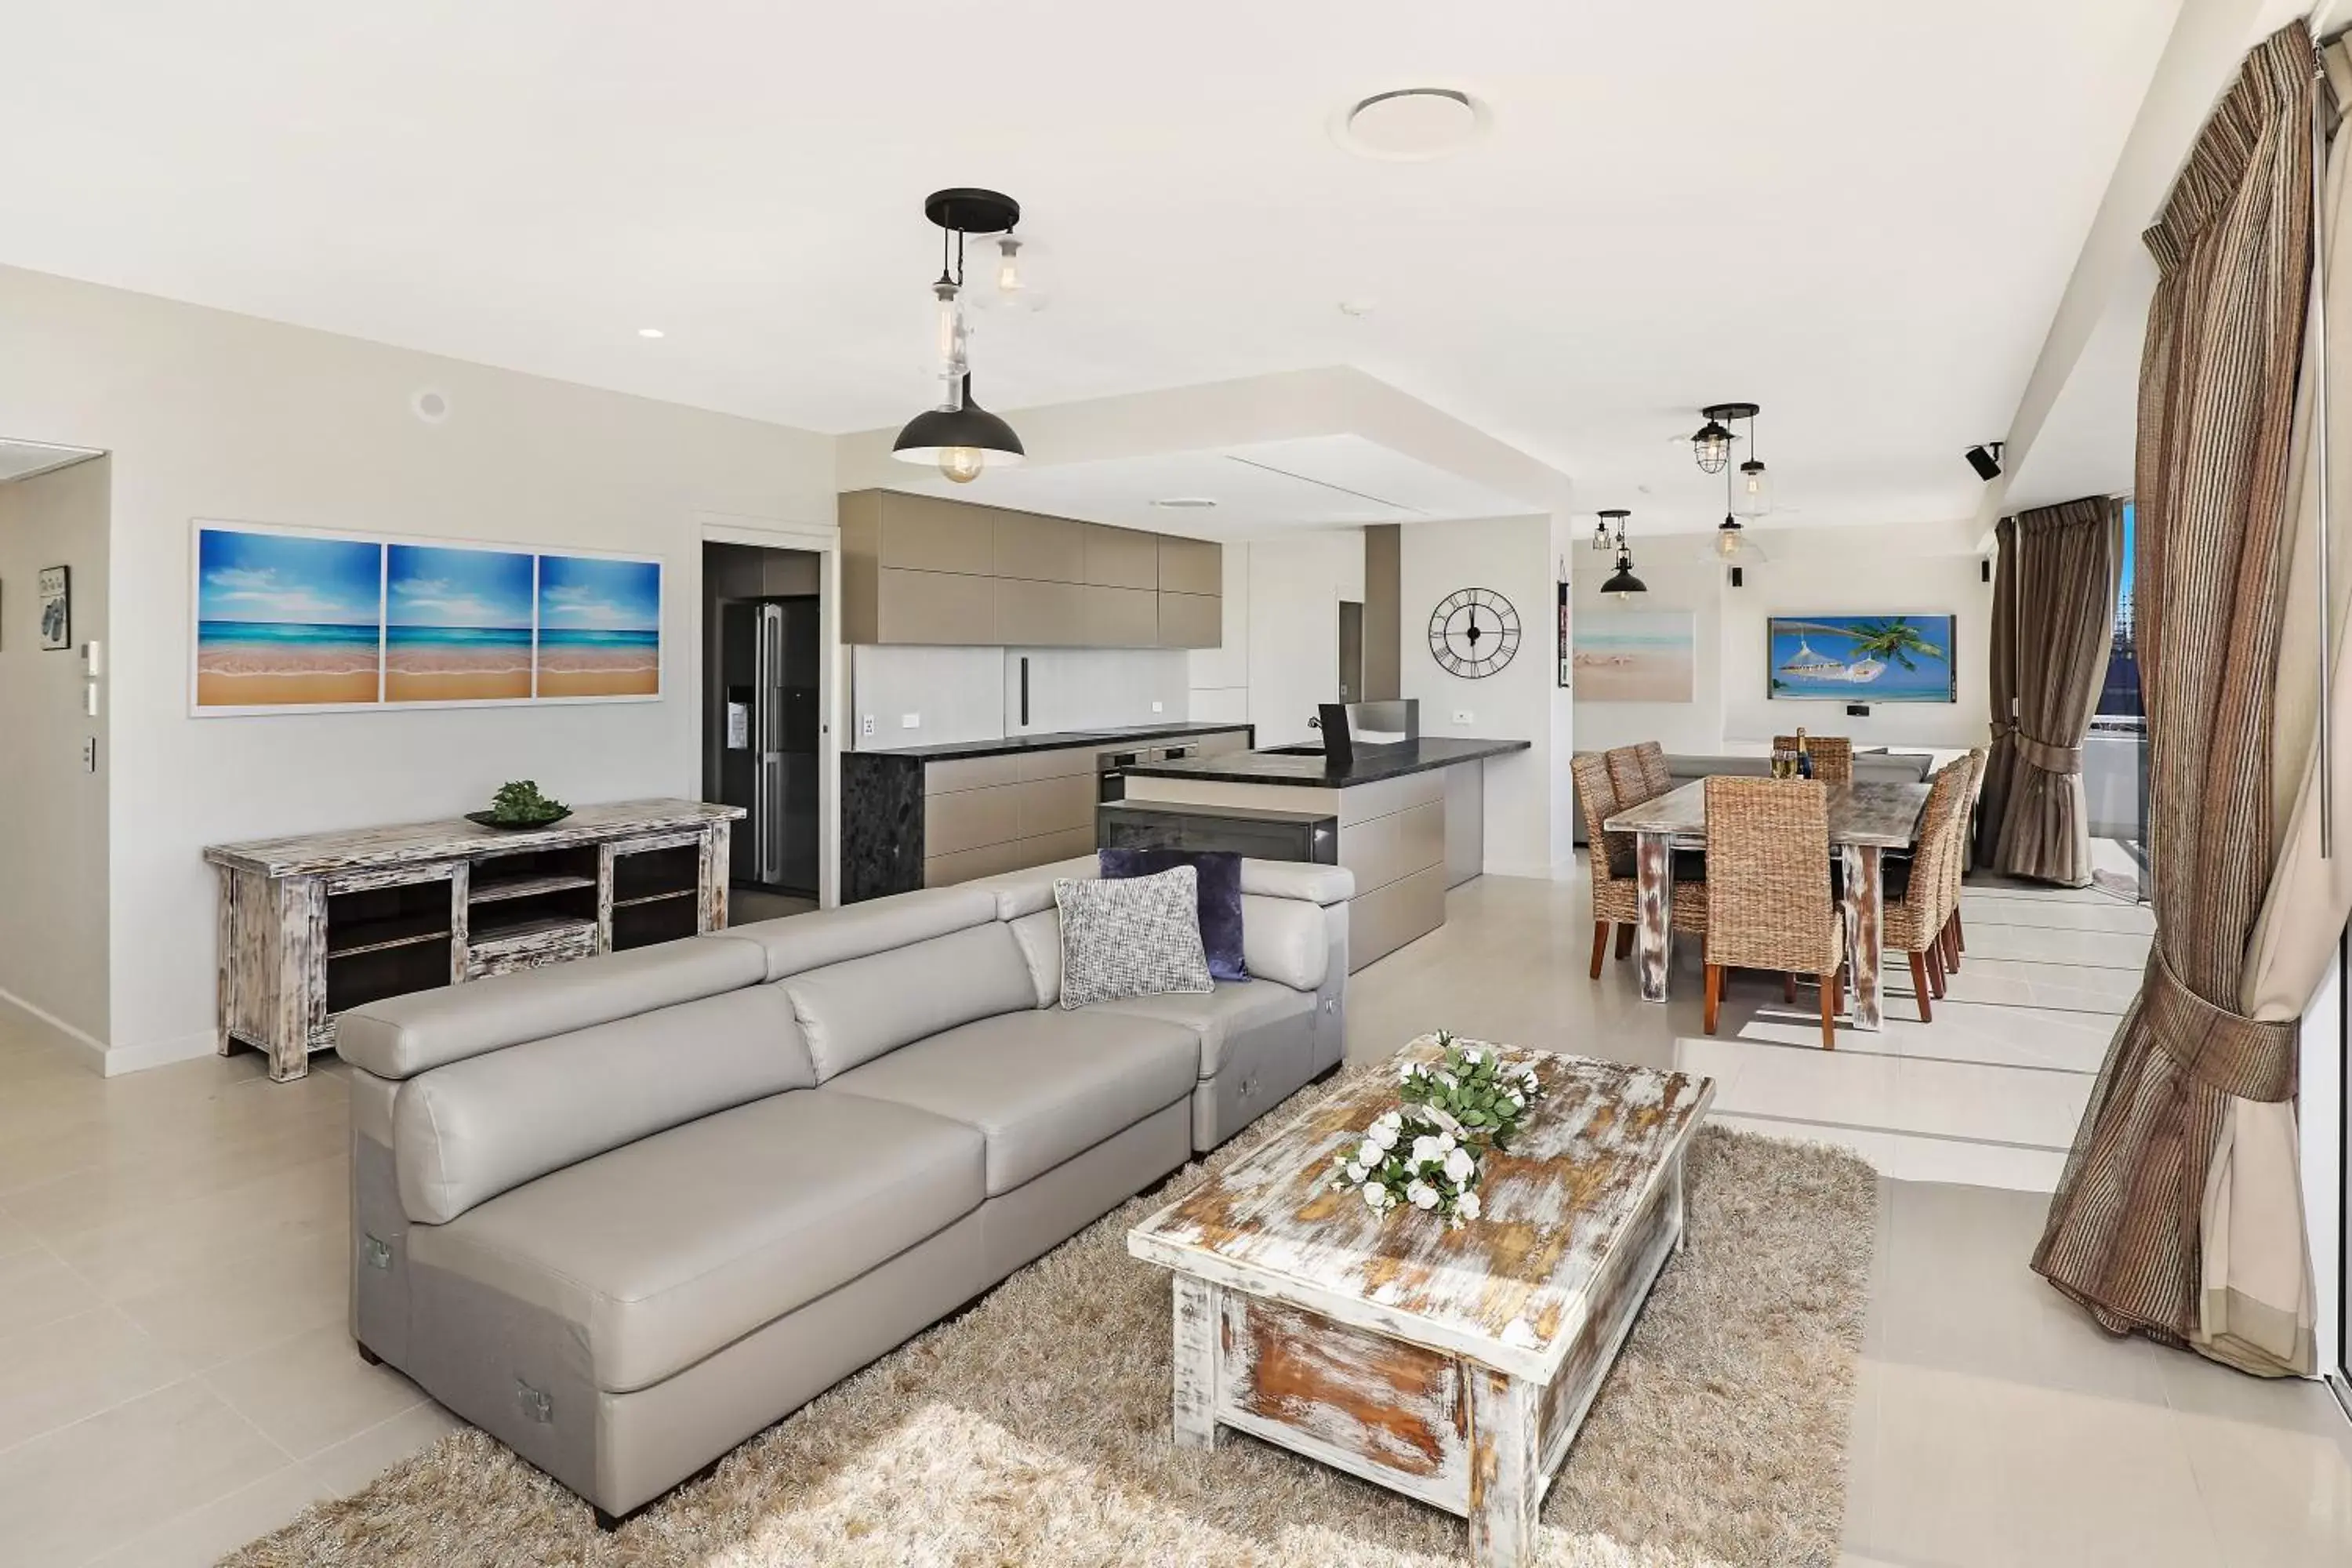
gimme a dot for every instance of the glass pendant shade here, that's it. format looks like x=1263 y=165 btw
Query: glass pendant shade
x=1751 y=492
x=1712 y=447
x=962 y=440
x=1727 y=539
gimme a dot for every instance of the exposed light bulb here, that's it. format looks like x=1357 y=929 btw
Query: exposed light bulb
x=961 y=464
x=1008 y=264
x=949 y=335
x=1727 y=540
x=1752 y=493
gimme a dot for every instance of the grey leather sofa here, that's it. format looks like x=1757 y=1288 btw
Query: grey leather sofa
x=621 y=1214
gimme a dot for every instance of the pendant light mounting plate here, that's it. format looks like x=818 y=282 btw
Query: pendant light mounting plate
x=967 y=209
x=1725 y=412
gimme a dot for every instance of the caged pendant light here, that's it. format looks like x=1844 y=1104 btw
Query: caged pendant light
x=958 y=436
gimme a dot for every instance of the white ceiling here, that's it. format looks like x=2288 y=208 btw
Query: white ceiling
x=1327 y=481
x=22 y=459
x=1861 y=216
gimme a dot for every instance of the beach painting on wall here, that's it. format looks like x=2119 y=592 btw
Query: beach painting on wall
x=1861 y=658
x=1636 y=655
x=287 y=620
x=599 y=626
x=456 y=624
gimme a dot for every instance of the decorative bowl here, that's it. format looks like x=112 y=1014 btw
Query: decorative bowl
x=491 y=819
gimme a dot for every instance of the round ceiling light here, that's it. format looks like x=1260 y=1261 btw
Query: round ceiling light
x=1412 y=124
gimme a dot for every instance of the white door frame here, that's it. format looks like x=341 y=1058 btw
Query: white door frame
x=824 y=538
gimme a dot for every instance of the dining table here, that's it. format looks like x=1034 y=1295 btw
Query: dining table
x=1866 y=820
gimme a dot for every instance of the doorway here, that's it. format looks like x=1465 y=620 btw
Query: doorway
x=1352 y=650
x=762 y=719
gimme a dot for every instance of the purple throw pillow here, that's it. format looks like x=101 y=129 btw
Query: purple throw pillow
x=1220 y=896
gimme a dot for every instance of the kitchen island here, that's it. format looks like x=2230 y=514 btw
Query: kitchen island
x=1411 y=818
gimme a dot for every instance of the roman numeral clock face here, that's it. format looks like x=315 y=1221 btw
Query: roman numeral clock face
x=1473 y=633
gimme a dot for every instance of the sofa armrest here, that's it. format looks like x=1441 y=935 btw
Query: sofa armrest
x=1315 y=884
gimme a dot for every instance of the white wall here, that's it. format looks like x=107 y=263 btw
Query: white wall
x=974 y=693
x=1527 y=792
x=1296 y=583
x=53 y=837
x=210 y=415
x=1899 y=569
x=1217 y=678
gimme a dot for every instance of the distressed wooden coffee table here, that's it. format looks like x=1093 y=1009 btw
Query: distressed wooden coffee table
x=1453 y=1366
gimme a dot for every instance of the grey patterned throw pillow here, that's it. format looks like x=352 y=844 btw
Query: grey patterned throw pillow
x=1134 y=936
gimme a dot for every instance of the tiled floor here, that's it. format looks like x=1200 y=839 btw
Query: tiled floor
x=176 y=1377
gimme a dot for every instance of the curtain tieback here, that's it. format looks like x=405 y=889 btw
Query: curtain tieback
x=2042 y=754
x=2253 y=1059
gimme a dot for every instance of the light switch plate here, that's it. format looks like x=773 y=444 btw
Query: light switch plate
x=1463 y=716
x=1158 y=707
x=910 y=721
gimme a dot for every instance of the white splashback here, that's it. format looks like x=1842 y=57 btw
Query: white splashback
x=974 y=693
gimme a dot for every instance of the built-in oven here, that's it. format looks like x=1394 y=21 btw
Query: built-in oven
x=1110 y=781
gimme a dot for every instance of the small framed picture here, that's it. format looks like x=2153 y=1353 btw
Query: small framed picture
x=55 y=589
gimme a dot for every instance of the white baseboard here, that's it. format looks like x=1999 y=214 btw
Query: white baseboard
x=160 y=1053
x=90 y=1043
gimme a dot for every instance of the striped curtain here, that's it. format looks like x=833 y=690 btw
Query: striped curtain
x=2126 y=1233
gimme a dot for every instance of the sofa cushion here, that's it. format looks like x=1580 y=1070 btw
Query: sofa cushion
x=658 y=1254
x=472 y=1129
x=1219 y=893
x=797 y=943
x=1135 y=936
x=1039 y=1086
x=1288 y=939
x=853 y=1012
x=409 y=1035
x=1235 y=1009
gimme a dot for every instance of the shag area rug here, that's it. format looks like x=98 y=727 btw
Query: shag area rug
x=1034 y=1429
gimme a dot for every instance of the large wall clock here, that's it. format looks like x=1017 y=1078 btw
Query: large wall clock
x=1474 y=632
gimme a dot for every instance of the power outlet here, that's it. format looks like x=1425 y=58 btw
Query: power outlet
x=865 y=724
x=1463 y=716
x=1159 y=707
x=910 y=721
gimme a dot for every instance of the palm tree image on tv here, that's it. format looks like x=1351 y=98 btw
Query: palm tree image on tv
x=1861 y=658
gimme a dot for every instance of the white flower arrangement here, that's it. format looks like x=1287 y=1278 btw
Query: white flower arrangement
x=1427 y=1155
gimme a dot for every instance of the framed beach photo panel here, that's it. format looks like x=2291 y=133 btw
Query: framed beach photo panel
x=287 y=620
x=1637 y=656
x=1861 y=658
x=290 y=620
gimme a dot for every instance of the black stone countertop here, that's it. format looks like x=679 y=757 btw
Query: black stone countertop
x=1371 y=765
x=1004 y=745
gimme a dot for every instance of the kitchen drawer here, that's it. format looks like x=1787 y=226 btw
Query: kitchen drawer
x=1058 y=764
x=1055 y=806
x=1121 y=557
x=1190 y=620
x=953 y=774
x=1223 y=744
x=1046 y=848
x=1039 y=615
x=1381 y=921
x=942 y=871
x=967 y=819
x=1122 y=617
x=1190 y=566
x=1389 y=848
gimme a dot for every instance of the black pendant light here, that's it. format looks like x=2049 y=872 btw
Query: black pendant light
x=1622 y=584
x=1711 y=444
x=958 y=437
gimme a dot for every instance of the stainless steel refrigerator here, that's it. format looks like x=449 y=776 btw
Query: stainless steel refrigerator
x=768 y=765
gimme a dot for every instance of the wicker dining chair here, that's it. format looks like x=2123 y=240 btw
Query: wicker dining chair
x=1918 y=915
x=1626 y=777
x=1833 y=755
x=1656 y=779
x=1956 y=938
x=1616 y=885
x=1767 y=889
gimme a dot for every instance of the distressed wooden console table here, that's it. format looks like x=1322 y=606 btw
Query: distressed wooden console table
x=315 y=924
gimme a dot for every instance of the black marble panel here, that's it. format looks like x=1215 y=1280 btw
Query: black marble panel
x=881 y=825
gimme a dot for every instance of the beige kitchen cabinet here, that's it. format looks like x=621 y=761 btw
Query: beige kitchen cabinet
x=1121 y=557
x=1121 y=617
x=921 y=569
x=1192 y=566
x=1190 y=620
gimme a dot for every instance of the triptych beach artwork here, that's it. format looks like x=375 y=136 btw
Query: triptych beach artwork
x=308 y=620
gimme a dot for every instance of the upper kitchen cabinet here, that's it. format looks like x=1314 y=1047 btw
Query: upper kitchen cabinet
x=918 y=569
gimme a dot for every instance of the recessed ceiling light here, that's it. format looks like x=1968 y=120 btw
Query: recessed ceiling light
x=1412 y=124
x=1357 y=307
x=1186 y=504
x=649 y=332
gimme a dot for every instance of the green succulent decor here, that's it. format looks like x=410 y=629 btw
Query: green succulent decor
x=519 y=804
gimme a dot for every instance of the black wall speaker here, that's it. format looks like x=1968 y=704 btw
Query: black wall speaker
x=1738 y=577
x=1857 y=710
x=1985 y=460
x=1984 y=570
